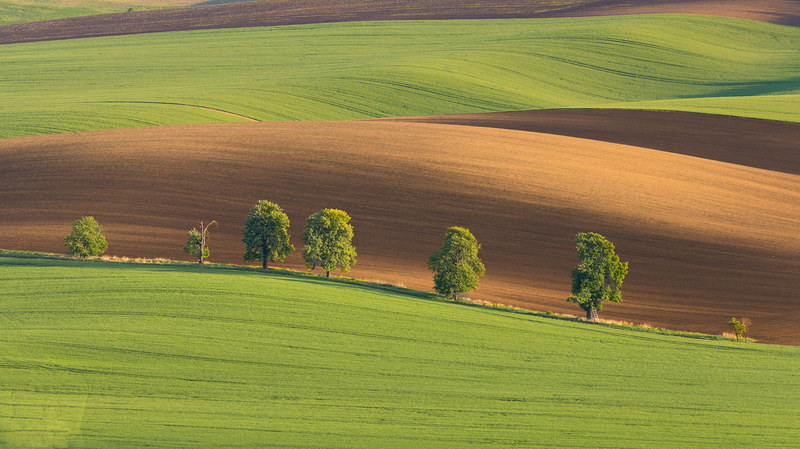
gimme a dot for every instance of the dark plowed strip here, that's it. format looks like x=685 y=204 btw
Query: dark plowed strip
x=289 y=12
x=753 y=143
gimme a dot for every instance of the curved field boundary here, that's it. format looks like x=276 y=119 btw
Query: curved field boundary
x=289 y=12
x=706 y=240
x=404 y=68
x=188 y=106
x=753 y=143
x=177 y=355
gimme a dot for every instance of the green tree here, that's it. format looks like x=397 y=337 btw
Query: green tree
x=198 y=240
x=265 y=236
x=599 y=276
x=86 y=238
x=739 y=327
x=456 y=266
x=327 y=241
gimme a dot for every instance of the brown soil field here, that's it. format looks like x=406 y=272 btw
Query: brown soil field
x=290 y=12
x=754 y=143
x=706 y=240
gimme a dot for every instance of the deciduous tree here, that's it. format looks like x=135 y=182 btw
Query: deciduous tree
x=265 y=235
x=327 y=241
x=456 y=266
x=599 y=276
x=86 y=238
x=198 y=240
x=739 y=327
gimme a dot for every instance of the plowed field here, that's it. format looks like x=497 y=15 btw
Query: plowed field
x=288 y=12
x=754 y=143
x=706 y=240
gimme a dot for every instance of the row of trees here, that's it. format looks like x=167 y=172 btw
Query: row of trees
x=327 y=238
x=327 y=241
x=596 y=280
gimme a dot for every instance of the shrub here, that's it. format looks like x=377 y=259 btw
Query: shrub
x=739 y=327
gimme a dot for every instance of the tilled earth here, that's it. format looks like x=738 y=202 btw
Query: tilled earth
x=709 y=235
x=706 y=209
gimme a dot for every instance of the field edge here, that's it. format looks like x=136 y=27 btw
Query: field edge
x=375 y=285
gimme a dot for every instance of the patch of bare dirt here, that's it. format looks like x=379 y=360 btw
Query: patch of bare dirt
x=706 y=240
x=754 y=143
x=290 y=12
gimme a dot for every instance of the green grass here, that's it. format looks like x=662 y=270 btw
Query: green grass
x=380 y=69
x=15 y=12
x=37 y=10
x=113 y=355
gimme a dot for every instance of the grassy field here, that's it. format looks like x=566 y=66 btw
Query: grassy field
x=381 y=69
x=22 y=11
x=105 y=354
x=16 y=12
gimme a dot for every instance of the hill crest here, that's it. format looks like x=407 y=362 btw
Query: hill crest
x=705 y=240
x=289 y=12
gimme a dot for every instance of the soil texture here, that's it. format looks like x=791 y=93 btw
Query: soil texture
x=706 y=240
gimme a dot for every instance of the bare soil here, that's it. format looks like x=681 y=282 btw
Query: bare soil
x=754 y=143
x=706 y=240
x=291 y=12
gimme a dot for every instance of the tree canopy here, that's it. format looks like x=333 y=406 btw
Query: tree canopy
x=456 y=266
x=86 y=238
x=327 y=241
x=599 y=276
x=265 y=235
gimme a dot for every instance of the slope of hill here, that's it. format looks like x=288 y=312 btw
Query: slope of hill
x=389 y=69
x=706 y=240
x=25 y=12
x=753 y=143
x=289 y=12
x=100 y=355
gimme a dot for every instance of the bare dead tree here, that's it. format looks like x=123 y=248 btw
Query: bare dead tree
x=198 y=241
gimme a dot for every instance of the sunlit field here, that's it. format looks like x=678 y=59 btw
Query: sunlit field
x=381 y=69
x=108 y=354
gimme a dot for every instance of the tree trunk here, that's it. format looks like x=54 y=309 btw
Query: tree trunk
x=591 y=314
x=327 y=274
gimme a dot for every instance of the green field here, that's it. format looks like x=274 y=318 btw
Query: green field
x=23 y=11
x=15 y=12
x=379 y=69
x=118 y=355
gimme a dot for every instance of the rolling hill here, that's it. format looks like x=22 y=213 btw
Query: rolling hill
x=694 y=238
x=706 y=240
x=403 y=68
x=287 y=12
x=110 y=355
x=706 y=208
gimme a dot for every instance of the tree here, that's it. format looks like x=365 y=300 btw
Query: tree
x=327 y=241
x=739 y=327
x=265 y=236
x=196 y=245
x=456 y=266
x=86 y=238
x=599 y=276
